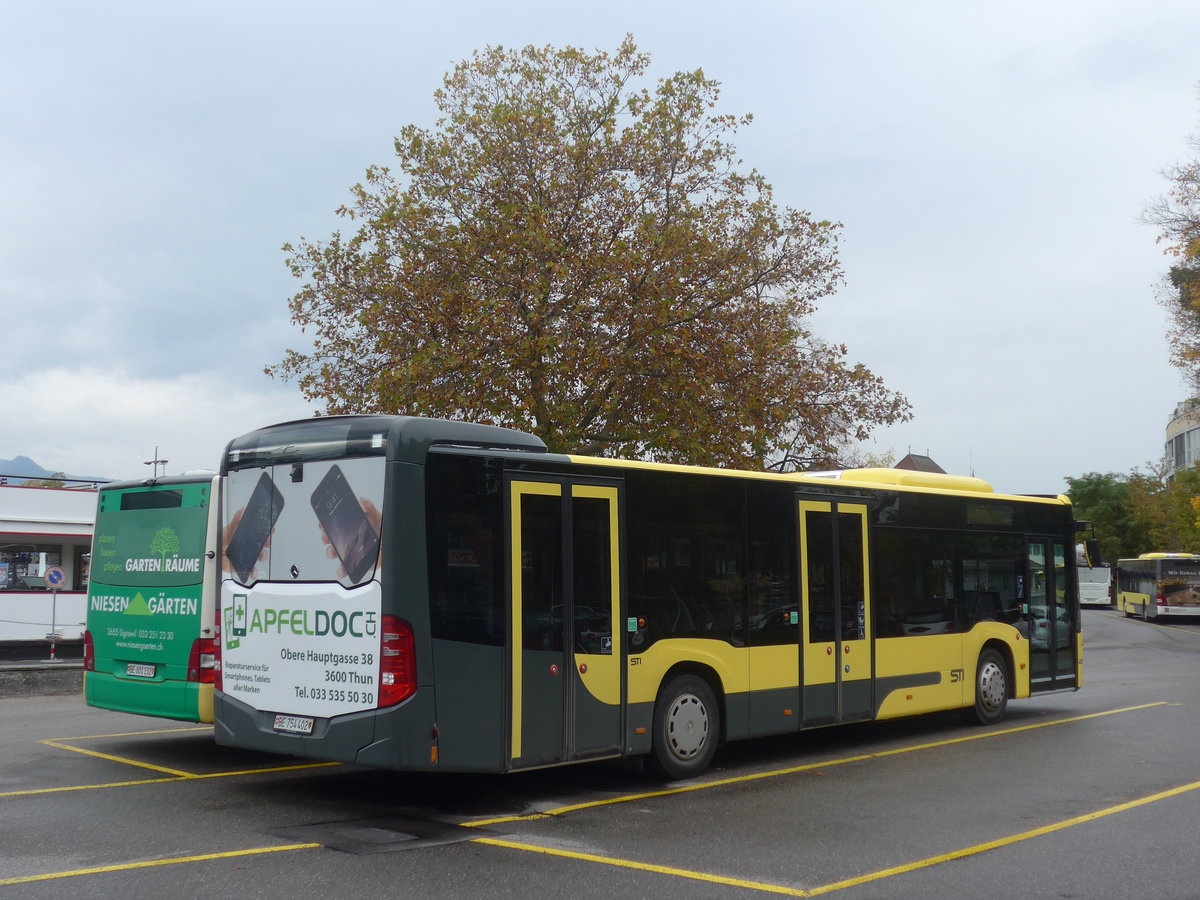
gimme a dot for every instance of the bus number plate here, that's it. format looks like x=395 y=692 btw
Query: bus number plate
x=141 y=670
x=294 y=724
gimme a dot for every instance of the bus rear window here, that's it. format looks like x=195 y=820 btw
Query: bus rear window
x=336 y=437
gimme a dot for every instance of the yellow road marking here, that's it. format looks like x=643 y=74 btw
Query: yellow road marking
x=807 y=767
x=61 y=743
x=762 y=887
x=97 y=737
x=29 y=792
x=129 y=762
x=116 y=784
x=1122 y=616
x=766 y=887
x=1007 y=841
x=645 y=867
x=125 y=867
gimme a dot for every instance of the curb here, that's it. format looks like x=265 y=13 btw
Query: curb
x=45 y=677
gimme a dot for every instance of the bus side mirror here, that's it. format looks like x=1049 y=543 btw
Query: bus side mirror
x=1091 y=549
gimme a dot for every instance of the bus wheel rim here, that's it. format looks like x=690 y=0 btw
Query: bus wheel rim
x=991 y=685
x=687 y=726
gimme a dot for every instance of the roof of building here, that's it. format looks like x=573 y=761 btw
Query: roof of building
x=917 y=463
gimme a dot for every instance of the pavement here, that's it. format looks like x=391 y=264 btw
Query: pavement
x=57 y=676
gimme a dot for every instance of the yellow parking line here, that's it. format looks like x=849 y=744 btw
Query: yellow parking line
x=117 y=784
x=766 y=887
x=1007 y=841
x=646 y=867
x=807 y=767
x=119 y=734
x=61 y=743
x=1122 y=617
x=125 y=867
x=120 y=759
x=29 y=792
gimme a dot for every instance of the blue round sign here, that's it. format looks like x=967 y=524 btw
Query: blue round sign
x=56 y=577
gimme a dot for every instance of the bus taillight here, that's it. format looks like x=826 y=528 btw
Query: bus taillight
x=89 y=653
x=397 y=662
x=202 y=661
x=1161 y=600
x=217 y=682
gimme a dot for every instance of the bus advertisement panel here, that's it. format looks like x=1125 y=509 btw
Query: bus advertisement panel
x=148 y=647
x=300 y=596
x=1159 y=584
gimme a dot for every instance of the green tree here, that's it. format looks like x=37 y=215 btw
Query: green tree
x=1177 y=217
x=1164 y=508
x=1103 y=500
x=57 y=480
x=575 y=256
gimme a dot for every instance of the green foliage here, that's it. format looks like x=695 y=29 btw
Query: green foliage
x=1140 y=512
x=1177 y=217
x=57 y=480
x=578 y=257
x=1103 y=500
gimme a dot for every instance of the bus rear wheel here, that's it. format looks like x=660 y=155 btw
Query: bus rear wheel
x=991 y=689
x=687 y=724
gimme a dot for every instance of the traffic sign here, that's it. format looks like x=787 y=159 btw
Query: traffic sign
x=56 y=577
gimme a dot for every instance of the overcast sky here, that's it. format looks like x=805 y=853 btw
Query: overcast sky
x=988 y=162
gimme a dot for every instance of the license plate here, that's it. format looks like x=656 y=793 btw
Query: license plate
x=140 y=670
x=294 y=724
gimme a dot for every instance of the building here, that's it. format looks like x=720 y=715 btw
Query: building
x=41 y=527
x=914 y=462
x=1183 y=437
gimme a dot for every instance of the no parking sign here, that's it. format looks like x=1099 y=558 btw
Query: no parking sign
x=56 y=577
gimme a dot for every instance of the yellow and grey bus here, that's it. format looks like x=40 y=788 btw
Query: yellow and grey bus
x=431 y=595
x=1159 y=584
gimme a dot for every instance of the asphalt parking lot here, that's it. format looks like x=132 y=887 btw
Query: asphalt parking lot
x=1088 y=794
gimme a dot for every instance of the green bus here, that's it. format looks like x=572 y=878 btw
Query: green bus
x=149 y=646
x=431 y=595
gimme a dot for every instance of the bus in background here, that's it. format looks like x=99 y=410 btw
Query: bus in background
x=1159 y=584
x=1094 y=577
x=1095 y=585
x=149 y=643
x=428 y=595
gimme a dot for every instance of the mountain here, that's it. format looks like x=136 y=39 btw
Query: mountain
x=20 y=468
x=23 y=466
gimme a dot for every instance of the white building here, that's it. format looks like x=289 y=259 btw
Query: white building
x=42 y=527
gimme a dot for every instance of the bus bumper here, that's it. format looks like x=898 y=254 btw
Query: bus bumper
x=399 y=738
x=187 y=701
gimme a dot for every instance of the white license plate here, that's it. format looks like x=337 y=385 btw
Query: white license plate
x=294 y=724
x=141 y=670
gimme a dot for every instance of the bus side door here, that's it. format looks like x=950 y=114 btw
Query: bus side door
x=565 y=672
x=836 y=613
x=1052 y=625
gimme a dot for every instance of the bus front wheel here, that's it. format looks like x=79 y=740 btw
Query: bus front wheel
x=991 y=689
x=687 y=725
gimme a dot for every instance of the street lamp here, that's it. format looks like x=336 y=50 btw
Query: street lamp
x=156 y=462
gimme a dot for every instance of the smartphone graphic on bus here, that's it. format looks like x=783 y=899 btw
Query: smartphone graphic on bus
x=350 y=532
x=254 y=528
